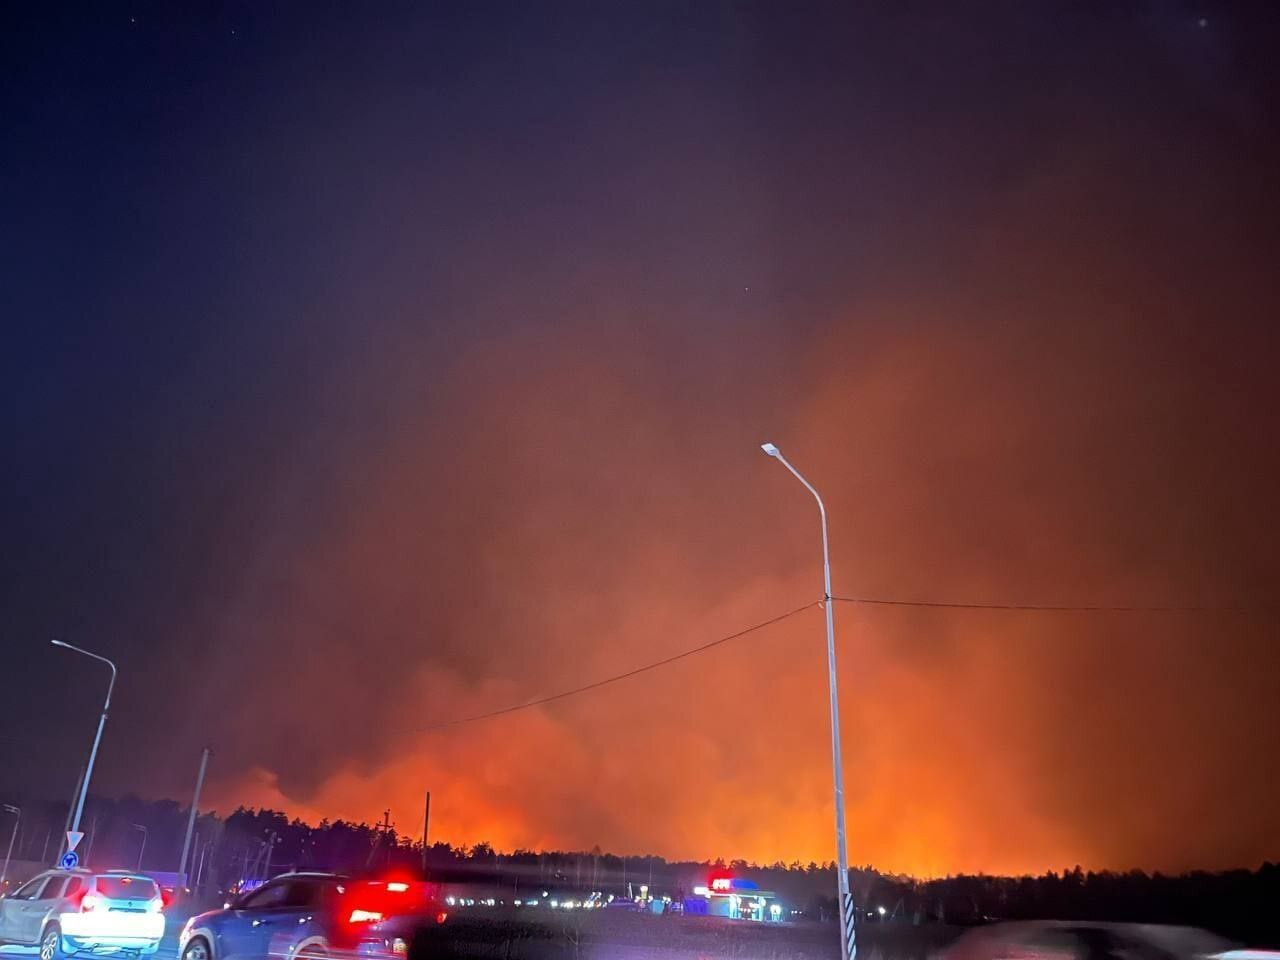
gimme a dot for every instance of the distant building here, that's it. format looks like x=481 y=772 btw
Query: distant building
x=736 y=899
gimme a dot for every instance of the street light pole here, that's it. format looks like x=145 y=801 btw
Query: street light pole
x=71 y=805
x=848 y=945
x=102 y=722
x=141 y=849
x=17 y=818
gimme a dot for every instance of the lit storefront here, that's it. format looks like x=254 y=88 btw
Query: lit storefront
x=735 y=899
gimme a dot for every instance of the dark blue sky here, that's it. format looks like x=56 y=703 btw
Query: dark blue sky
x=359 y=364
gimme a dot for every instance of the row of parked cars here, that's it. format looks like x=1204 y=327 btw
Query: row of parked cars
x=296 y=915
x=322 y=916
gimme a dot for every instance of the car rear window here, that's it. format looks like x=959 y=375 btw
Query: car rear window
x=127 y=888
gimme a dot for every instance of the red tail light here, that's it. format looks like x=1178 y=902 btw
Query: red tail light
x=364 y=916
x=441 y=917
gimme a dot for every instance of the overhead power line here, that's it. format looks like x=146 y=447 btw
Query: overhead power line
x=1046 y=607
x=875 y=601
x=623 y=676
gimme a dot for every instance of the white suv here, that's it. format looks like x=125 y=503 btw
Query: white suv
x=82 y=912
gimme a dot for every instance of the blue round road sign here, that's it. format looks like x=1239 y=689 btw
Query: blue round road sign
x=69 y=860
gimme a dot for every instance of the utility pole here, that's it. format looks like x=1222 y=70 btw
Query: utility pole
x=271 y=843
x=17 y=819
x=382 y=830
x=385 y=829
x=204 y=852
x=426 y=821
x=143 y=848
x=191 y=820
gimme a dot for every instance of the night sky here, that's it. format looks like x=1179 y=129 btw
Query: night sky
x=370 y=367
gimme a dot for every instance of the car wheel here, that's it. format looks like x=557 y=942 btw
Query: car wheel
x=197 y=949
x=49 y=942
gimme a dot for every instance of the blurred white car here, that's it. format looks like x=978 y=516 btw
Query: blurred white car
x=1084 y=940
x=71 y=912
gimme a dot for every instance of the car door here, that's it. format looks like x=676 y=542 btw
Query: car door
x=14 y=909
x=32 y=912
x=46 y=904
x=245 y=929
x=299 y=917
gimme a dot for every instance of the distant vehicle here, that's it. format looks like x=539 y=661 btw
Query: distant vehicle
x=81 y=911
x=313 y=916
x=1082 y=940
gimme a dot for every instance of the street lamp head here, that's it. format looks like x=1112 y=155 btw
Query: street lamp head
x=11 y=808
x=768 y=448
x=60 y=643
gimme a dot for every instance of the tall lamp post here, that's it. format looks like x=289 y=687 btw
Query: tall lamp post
x=102 y=722
x=848 y=946
x=17 y=818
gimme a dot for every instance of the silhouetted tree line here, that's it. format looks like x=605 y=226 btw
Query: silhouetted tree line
x=252 y=844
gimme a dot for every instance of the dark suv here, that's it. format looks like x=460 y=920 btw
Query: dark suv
x=313 y=915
